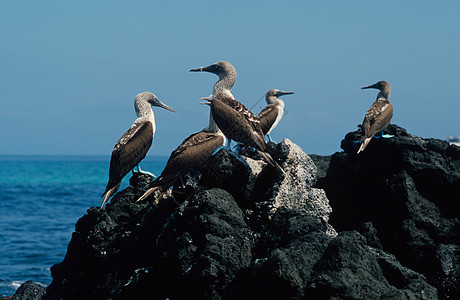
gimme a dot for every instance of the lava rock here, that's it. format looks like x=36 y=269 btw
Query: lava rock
x=109 y=244
x=294 y=189
x=245 y=230
x=29 y=290
x=349 y=269
x=204 y=244
x=407 y=187
x=289 y=248
x=233 y=173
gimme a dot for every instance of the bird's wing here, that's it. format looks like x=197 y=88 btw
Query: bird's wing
x=130 y=149
x=236 y=125
x=191 y=153
x=377 y=117
x=190 y=140
x=239 y=107
x=267 y=117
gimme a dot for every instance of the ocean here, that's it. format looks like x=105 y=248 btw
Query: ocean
x=41 y=199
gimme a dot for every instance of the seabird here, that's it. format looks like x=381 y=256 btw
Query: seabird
x=192 y=152
x=236 y=121
x=241 y=125
x=379 y=114
x=227 y=77
x=271 y=115
x=133 y=145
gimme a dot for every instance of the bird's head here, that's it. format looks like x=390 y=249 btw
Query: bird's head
x=220 y=68
x=272 y=94
x=383 y=87
x=153 y=100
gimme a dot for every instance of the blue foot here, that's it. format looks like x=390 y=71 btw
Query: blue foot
x=237 y=148
x=218 y=148
x=139 y=170
x=385 y=136
x=270 y=138
x=227 y=144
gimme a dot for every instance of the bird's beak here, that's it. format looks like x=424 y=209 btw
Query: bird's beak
x=208 y=98
x=210 y=68
x=162 y=105
x=196 y=69
x=374 y=86
x=206 y=102
x=281 y=93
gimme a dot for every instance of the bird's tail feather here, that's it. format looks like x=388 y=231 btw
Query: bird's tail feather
x=268 y=158
x=272 y=151
x=110 y=193
x=364 y=144
x=148 y=193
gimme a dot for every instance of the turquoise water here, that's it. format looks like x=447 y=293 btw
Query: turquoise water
x=41 y=198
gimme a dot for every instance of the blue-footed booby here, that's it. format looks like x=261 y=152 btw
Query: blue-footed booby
x=227 y=77
x=192 y=152
x=241 y=125
x=133 y=145
x=379 y=114
x=271 y=115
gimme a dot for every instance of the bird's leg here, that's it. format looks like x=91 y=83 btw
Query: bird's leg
x=227 y=143
x=217 y=149
x=270 y=138
x=133 y=171
x=387 y=136
x=139 y=170
x=237 y=148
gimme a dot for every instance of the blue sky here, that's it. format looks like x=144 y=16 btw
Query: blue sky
x=70 y=69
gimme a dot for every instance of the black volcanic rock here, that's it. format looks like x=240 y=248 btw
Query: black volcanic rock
x=288 y=249
x=407 y=188
x=349 y=269
x=244 y=230
x=29 y=290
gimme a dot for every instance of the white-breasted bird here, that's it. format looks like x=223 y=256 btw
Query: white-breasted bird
x=227 y=77
x=379 y=114
x=241 y=125
x=271 y=115
x=134 y=144
x=191 y=153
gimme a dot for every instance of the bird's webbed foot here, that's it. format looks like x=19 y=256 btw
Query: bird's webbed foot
x=139 y=170
x=237 y=148
x=217 y=149
x=269 y=138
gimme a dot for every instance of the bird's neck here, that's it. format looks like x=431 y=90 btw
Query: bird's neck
x=275 y=100
x=384 y=93
x=143 y=110
x=224 y=84
x=212 y=126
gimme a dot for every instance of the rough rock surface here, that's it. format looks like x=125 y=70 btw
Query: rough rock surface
x=349 y=269
x=244 y=230
x=403 y=192
x=29 y=290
